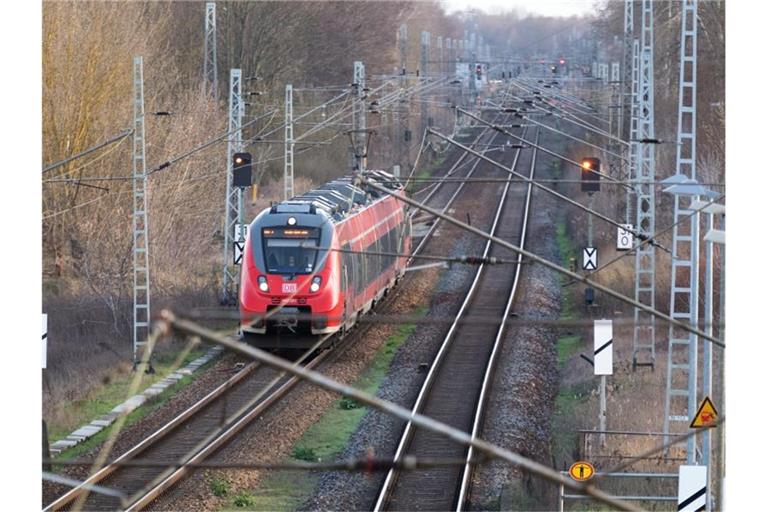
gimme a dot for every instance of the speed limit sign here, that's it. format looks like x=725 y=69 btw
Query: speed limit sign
x=624 y=237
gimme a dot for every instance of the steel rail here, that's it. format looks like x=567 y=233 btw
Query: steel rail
x=491 y=368
x=169 y=323
x=83 y=489
x=387 y=487
x=145 y=497
x=436 y=221
x=437 y=185
x=149 y=441
x=475 y=164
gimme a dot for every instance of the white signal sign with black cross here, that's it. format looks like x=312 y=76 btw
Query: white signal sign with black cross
x=603 y=347
x=237 y=250
x=589 y=258
x=624 y=237
x=692 y=488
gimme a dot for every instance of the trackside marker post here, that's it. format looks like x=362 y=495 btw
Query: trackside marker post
x=692 y=489
x=603 y=356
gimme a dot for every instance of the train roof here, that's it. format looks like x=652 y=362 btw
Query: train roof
x=339 y=197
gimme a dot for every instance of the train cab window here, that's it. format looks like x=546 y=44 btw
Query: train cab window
x=290 y=256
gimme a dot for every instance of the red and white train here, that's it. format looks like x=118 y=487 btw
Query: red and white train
x=307 y=267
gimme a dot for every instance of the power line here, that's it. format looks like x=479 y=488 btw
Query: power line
x=533 y=257
x=544 y=188
x=196 y=149
x=514 y=321
x=365 y=464
x=87 y=164
x=655 y=235
x=116 y=138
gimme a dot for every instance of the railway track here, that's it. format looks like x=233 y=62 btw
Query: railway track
x=458 y=380
x=204 y=426
x=209 y=424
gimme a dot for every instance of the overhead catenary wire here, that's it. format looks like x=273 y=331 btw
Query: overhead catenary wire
x=202 y=146
x=546 y=189
x=95 y=159
x=540 y=180
x=365 y=464
x=395 y=319
x=537 y=146
x=533 y=257
x=88 y=151
x=655 y=235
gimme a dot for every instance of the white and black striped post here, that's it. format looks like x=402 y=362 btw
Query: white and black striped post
x=603 y=357
x=692 y=489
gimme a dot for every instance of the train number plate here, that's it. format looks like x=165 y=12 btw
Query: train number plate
x=289 y=287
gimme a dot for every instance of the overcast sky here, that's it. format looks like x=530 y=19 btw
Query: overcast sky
x=543 y=7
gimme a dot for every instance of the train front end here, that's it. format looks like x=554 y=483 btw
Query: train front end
x=290 y=281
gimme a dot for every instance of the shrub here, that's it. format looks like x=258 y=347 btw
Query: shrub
x=219 y=487
x=306 y=454
x=244 y=499
x=347 y=403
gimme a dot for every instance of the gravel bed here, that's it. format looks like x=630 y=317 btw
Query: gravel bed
x=204 y=383
x=526 y=379
x=379 y=432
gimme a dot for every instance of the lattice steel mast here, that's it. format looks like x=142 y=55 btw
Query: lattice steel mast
x=359 y=134
x=424 y=73
x=645 y=256
x=210 y=75
x=141 y=311
x=682 y=358
x=626 y=102
x=401 y=119
x=633 y=145
x=627 y=65
x=289 y=144
x=233 y=206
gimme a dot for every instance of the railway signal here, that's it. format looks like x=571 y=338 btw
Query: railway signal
x=590 y=177
x=242 y=170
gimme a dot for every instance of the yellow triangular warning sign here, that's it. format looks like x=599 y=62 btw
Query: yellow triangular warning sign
x=706 y=416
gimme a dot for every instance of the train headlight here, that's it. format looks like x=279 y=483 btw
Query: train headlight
x=263 y=286
x=291 y=221
x=315 y=286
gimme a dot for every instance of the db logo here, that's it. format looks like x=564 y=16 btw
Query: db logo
x=289 y=287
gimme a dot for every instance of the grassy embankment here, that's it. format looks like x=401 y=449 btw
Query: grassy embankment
x=113 y=392
x=571 y=396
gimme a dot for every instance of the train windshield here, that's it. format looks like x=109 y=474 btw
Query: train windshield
x=290 y=256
